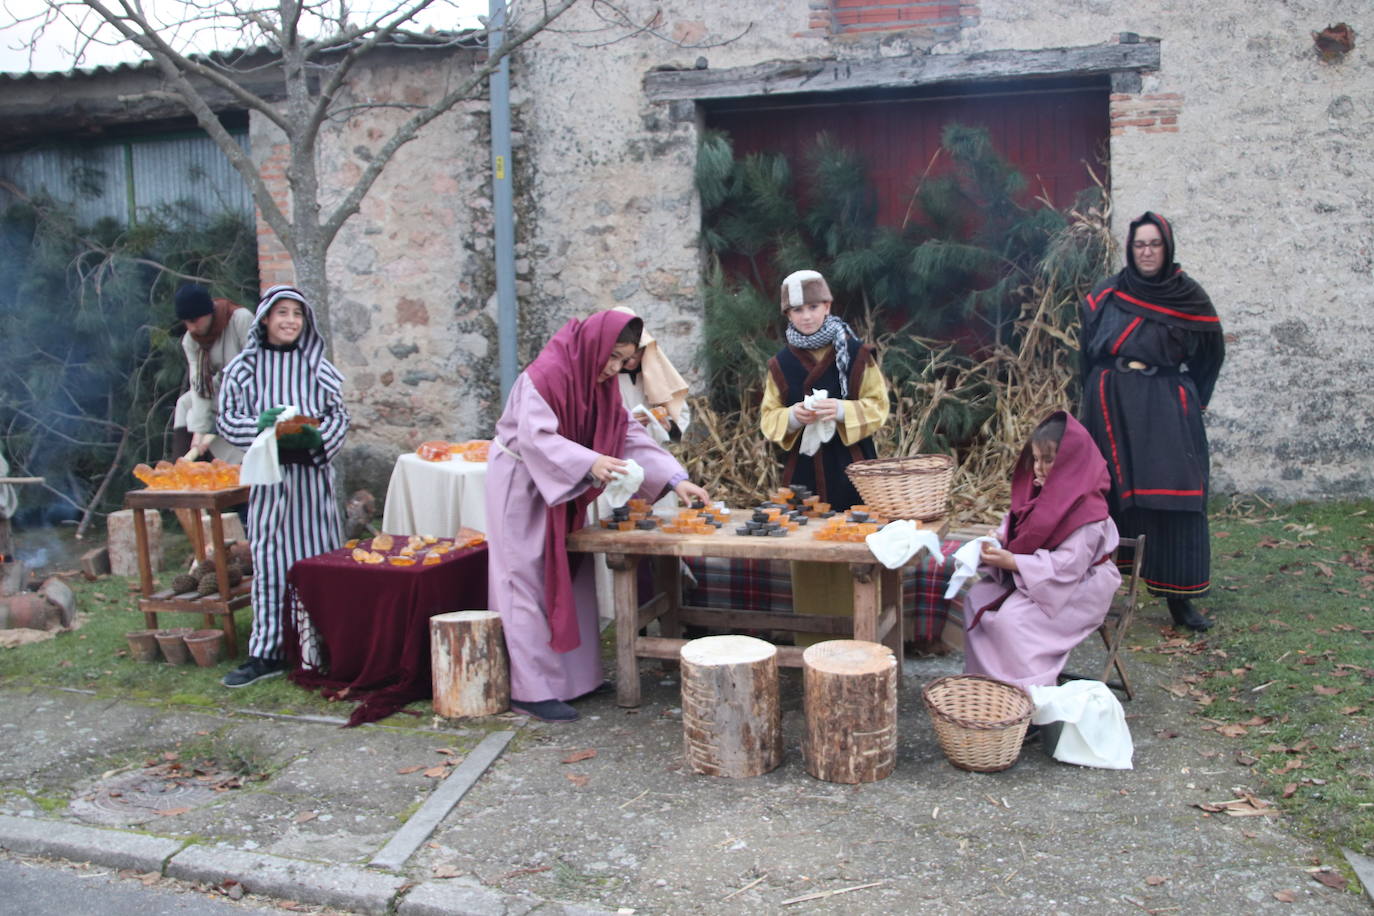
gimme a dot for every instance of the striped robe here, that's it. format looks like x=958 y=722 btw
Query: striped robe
x=298 y=517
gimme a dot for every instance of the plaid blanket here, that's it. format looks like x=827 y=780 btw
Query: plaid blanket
x=766 y=585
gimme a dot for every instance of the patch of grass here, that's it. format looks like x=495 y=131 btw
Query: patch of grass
x=96 y=658
x=1287 y=673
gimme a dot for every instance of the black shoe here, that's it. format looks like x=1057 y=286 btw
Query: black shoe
x=1185 y=615
x=545 y=710
x=253 y=670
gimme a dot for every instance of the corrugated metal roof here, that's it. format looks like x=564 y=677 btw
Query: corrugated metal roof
x=419 y=41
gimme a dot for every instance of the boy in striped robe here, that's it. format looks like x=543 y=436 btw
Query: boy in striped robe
x=284 y=364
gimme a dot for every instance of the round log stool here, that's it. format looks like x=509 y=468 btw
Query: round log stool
x=851 y=711
x=467 y=654
x=731 y=720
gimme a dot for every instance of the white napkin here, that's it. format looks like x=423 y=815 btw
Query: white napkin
x=1095 y=733
x=625 y=485
x=654 y=428
x=819 y=433
x=966 y=560
x=261 y=464
x=899 y=541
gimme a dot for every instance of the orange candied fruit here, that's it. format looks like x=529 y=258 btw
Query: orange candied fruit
x=434 y=450
x=401 y=561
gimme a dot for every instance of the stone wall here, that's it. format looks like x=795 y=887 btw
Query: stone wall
x=1255 y=148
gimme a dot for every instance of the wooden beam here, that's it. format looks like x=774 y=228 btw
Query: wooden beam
x=783 y=77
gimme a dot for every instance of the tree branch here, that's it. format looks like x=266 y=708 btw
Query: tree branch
x=407 y=132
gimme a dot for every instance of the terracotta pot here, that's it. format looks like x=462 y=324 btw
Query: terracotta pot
x=173 y=645
x=206 y=647
x=143 y=645
x=30 y=611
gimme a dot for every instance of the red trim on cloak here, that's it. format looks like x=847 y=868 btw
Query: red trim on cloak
x=1210 y=319
x=1135 y=323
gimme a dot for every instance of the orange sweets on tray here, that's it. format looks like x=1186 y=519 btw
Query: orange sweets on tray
x=472 y=450
x=855 y=525
x=695 y=520
x=434 y=450
x=417 y=549
x=294 y=425
x=189 y=475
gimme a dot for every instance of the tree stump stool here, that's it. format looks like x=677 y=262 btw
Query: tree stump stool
x=731 y=720
x=467 y=653
x=851 y=711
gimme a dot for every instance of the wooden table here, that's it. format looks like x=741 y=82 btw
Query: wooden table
x=220 y=604
x=877 y=591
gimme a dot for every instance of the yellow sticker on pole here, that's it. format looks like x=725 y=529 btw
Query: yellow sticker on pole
x=500 y=168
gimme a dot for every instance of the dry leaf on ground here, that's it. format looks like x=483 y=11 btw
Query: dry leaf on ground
x=305 y=817
x=406 y=771
x=577 y=756
x=577 y=779
x=1285 y=896
x=438 y=772
x=1332 y=879
x=445 y=871
x=1155 y=880
x=173 y=812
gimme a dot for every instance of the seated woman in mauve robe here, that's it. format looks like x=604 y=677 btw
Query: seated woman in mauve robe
x=1051 y=585
x=565 y=433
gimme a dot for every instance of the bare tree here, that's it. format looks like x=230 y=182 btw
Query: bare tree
x=313 y=50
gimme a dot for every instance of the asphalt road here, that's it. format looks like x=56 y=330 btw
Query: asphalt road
x=42 y=889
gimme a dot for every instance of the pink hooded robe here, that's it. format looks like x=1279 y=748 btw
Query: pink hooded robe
x=1061 y=590
x=558 y=418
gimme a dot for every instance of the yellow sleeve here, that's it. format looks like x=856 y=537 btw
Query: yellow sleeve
x=774 y=414
x=865 y=416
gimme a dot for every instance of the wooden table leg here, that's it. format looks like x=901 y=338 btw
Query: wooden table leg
x=625 y=590
x=866 y=604
x=668 y=582
x=145 y=566
x=891 y=601
x=222 y=579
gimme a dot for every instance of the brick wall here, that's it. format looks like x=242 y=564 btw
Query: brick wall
x=852 y=16
x=1150 y=113
x=274 y=264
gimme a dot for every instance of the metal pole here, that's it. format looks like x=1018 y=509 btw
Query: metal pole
x=502 y=200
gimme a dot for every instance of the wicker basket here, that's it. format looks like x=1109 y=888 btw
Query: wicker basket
x=916 y=487
x=981 y=722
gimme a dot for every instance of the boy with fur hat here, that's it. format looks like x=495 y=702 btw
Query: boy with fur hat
x=822 y=353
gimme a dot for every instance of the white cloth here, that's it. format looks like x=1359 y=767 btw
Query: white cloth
x=820 y=432
x=899 y=541
x=435 y=497
x=650 y=423
x=624 y=485
x=1094 y=733
x=261 y=463
x=966 y=560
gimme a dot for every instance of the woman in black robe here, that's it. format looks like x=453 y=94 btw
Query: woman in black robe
x=1151 y=351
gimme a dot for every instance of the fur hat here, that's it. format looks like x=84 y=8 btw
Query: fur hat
x=192 y=301
x=803 y=287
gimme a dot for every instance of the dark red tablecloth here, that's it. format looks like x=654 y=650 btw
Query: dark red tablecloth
x=363 y=631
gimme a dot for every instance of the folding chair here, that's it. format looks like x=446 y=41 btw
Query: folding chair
x=1118 y=621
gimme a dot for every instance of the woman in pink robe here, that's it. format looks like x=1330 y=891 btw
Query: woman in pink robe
x=565 y=433
x=1051 y=586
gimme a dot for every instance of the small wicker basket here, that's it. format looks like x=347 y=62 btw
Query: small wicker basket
x=916 y=487
x=980 y=722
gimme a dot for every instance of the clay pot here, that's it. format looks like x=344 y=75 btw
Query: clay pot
x=206 y=646
x=173 y=645
x=143 y=645
x=30 y=611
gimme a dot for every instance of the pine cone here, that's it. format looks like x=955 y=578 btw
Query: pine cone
x=184 y=583
x=235 y=573
x=209 y=583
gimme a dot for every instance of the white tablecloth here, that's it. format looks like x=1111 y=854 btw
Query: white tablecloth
x=435 y=497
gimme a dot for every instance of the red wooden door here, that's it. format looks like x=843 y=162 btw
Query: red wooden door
x=1052 y=136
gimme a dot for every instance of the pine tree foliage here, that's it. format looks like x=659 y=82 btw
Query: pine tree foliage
x=89 y=366
x=972 y=302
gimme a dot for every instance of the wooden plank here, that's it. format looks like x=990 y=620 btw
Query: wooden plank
x=651 y=610
x=625 y=599
x=782 y=77
x=763 y=620
x=797 y=545
x=186 y=499
x=211 y=604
